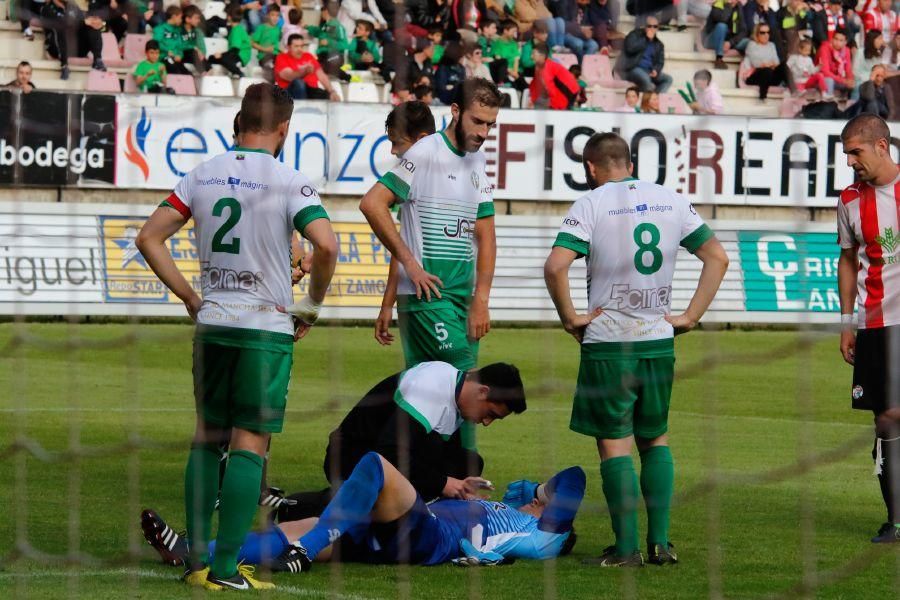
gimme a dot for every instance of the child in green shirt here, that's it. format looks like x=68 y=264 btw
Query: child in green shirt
x=332 y=41
x=540 y=33
x=150 y=74
x=239 y=44
x=487 y=33
x=168 y=36
x=436 y=35
x=364 y=53
x=267 y=37
x=193 y=42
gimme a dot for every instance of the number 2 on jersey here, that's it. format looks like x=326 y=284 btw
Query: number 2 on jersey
x=651 y=246
x=234 y=215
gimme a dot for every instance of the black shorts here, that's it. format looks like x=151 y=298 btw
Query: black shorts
x=876 y=370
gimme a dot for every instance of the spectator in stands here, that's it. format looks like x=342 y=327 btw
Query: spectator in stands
x=23 y=78
x=294 y=25
x=29 y=9
x=68 y=28
x=805 y=73
x=300 y=73
x=252 y=10
x=414 y=66
x=424 y=94
x=539 y=34
x=113 y=13
x=193 y=42
x=756 y=12
x=724 y=29
x=875 y=97
x=836 y=64
x=352 y=11
x=474 y=64
x=868 y=56
x=579 y=34
x=140 y=13
x=364 y=53
x=487 y=33
x=766 y=69
x=643 y=58
x=436 y=37
x=793 y=17
x=553 y=86
x=828 y=20
x=332 y=40
x=696 y=8
x=505 y=64
x=168 y=35
x=650 y=103
x=882 y=18
x=581 y=100
x=709 y=98
x=239 y=43
x=599 y=16
x=632 y=101
x=450 y=72
x=266 y=38
x=150 y=73
x=526 y=12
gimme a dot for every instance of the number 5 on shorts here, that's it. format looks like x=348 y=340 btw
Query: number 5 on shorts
x=440 y=332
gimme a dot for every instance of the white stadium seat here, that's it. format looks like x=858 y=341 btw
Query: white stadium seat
x=246 y=82
x=216 y=85
x=216 y=46
x=362 y=92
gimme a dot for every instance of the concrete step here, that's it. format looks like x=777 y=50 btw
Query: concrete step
x=681 y=74
x=15 y=46
x=680 y=41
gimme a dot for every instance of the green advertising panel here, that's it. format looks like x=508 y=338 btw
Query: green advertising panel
x=794 y=272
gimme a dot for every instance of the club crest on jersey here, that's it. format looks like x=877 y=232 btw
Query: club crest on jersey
x=857 y=392
x=474 y=180
x=631 y=186
x=888 y=242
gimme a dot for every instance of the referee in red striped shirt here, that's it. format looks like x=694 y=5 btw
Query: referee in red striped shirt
x=868 y=221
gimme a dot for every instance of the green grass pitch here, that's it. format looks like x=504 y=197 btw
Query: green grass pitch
x=754 y=516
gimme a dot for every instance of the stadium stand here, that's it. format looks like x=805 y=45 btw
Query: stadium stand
x=685 y=54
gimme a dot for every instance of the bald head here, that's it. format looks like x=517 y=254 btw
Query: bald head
x=867 y=128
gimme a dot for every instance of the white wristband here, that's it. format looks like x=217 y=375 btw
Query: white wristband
x=848 y=320
x=307 y=310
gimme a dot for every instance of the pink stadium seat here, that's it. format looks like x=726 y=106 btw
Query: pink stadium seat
x=111 y=55
x=605 y=99
x=790 y=106
x=103 y=81
x=134 y=47
x=130 y=85
x=182 y=84
x=596 y=69
x=673 y=103
x=566 y=59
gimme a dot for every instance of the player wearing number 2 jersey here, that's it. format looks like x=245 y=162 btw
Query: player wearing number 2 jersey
x=245 y=205
x=629 y=232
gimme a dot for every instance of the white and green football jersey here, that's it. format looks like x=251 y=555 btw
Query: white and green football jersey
x=630 y=231
x=428 y=393
x=442 y=192
x=245 y=206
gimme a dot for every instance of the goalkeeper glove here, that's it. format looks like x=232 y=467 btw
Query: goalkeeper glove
x=307 y=310
x=475 y=558
x=519 y=493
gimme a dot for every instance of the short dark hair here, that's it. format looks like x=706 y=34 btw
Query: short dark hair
x=505 y=385
x=411 y=119
x=477 y=89
x=292 y=37
x=295 y=16
x=234 y=12
x=486 y=22
x=191 y=10
x=842 y=31
x=236 y=125
x=23 y=63
x=868 y=126
x=575 y=70
x=541 y=48
x=273 y=8
x=540 y=26
x=703 y=75
x=151 y=45
x=507 y=24
x=634 y=89
x=420 y=91
x=173 y=10
x=607 y=150
x=264 y=107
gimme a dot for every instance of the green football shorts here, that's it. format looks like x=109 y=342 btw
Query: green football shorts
x=437 y=334
x=241 y=387
x=623 y=394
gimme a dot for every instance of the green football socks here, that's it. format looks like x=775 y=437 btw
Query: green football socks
x=240 y=495
x=657 y=484
x=620 y=486
x=201 y=484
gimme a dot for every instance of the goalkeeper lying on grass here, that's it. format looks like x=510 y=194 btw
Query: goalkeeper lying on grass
x=377 y=517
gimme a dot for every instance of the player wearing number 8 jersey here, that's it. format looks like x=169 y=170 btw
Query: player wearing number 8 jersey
x=245 y=205
x=629 y=232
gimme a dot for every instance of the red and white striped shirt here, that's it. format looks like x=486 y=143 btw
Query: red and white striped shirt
x=868 y=218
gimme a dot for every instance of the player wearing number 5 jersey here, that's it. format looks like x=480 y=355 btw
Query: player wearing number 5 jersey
x=245 y=205
x=629 y=232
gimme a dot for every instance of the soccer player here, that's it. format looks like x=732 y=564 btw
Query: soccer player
x=446 y=215
x=412 y=419
x=378 y=517
x=867 y=218
x=629 y=232
x=406 y=124
x=245 y=205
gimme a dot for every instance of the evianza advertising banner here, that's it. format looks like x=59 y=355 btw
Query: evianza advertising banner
x=531 y=155
x=50 y=139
